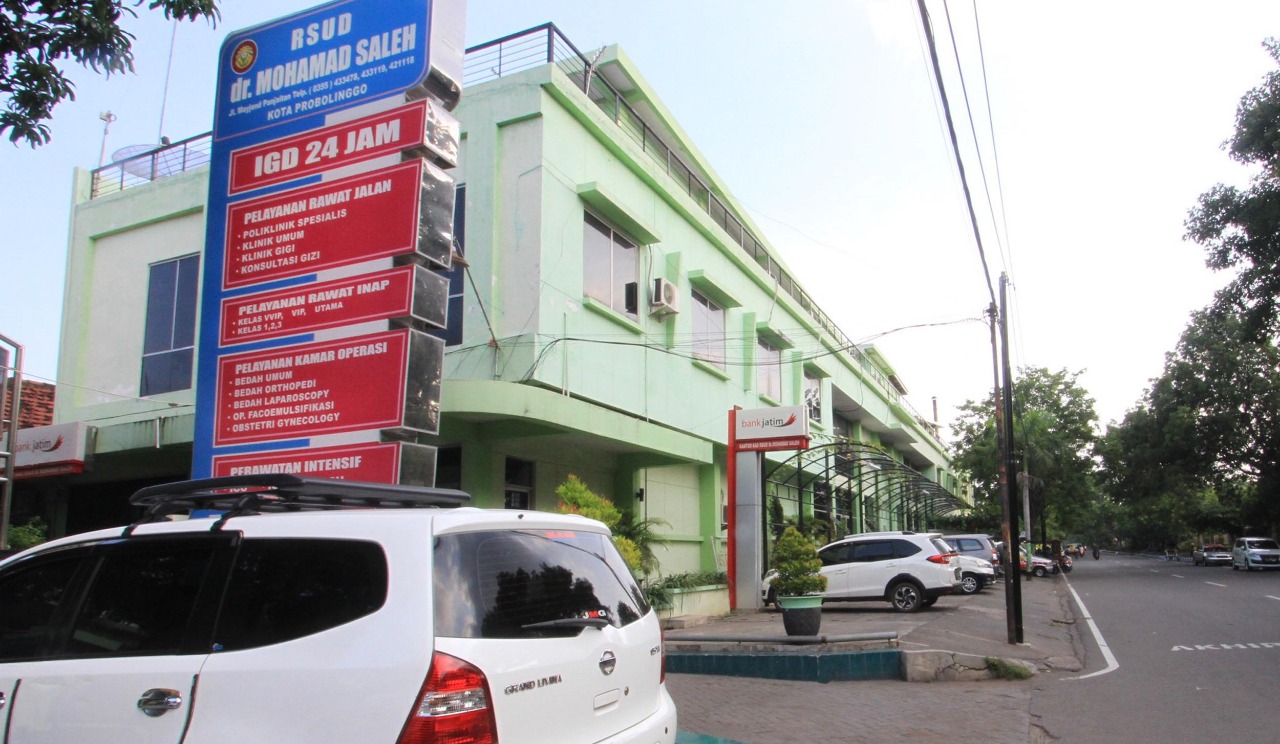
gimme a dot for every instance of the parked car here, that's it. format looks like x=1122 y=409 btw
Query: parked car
x=977 y=546
x=1211 y=555
x=1249 y=553
x=368 y=620
x=975 y=573
x=1040 y=566
x=907 y=569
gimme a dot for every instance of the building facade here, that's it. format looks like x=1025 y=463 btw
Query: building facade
x=610 y=306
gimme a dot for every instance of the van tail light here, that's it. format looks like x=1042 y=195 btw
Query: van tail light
x=453 y=707
x=943 y=559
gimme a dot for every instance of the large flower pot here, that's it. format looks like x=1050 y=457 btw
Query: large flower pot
x=801 y=616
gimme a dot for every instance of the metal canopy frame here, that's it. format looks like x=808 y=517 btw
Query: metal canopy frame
x=852 y=487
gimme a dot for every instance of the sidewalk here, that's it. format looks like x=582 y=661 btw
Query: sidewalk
x=941 y=641
x=949 y=642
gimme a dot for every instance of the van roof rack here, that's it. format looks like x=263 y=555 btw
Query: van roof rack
x=241 y=495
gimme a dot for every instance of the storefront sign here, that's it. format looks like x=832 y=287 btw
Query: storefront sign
x=40 y=451
x=785 y=423
x=378 y=462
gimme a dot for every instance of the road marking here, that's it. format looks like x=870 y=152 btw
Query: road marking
x=1110 y=658
x=1178 y=576
x=1275 y=598
x=1214 y=583
x=1224 y=646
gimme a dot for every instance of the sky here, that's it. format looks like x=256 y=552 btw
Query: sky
x=1091 y=129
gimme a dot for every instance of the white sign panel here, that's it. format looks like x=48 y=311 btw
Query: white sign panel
x=50 y=450
x=772 y=423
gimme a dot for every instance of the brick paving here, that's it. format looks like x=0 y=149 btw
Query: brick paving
x=761 y=711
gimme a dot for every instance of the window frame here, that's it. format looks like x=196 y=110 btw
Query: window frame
x=768 y=371
x=708 y=340
x=619 y=291
x=163 y=347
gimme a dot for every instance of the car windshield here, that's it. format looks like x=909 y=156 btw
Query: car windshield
x=1264 y=545
x=1215 y=548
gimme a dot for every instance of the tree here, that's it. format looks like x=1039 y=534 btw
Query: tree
x=38 y=36
x=1054 y=431
x=1240 y=228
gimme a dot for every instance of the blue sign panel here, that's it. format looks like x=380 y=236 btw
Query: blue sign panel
x=300 y=74
x=324 y=59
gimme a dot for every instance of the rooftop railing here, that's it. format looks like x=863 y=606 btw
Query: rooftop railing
x=150 y=164
x=546 y=45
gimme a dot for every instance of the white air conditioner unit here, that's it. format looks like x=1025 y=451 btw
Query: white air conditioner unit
x=665 y=299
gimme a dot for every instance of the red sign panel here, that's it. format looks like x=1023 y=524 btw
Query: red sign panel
x=288 y=158
x=372 y=215
x=320 y=388
x=771 y=445
x=373 y=462
x=375 y=296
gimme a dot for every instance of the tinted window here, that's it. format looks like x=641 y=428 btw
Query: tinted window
x=905 y=548
x=876 y=550
x=284 y=589
x=140 y=599
x=29 y=599
x=499 y=584
x=834 y=554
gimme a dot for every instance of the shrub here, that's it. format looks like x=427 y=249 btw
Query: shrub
x=27 y=535
x=797 y=564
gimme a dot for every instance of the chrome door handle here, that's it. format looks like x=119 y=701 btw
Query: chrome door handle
x=2 y=700
x=158 y=700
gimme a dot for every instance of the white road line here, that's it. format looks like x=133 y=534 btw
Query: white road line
x=1214 y=583
x=1275 y=598
x=1110 y=658
x=1178 y=576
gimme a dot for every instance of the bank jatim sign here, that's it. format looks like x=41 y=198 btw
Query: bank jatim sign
x=330 y=213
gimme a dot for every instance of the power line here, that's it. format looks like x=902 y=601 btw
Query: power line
x=955 y=146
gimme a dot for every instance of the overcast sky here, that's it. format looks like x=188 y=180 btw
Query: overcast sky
x=821 y=116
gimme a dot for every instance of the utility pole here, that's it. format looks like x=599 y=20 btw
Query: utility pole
x=1013 y=580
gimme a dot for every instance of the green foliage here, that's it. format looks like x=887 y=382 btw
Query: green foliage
x=644 y=535
x=23 y=536
x=795 y=558
x=1054 y=432
x=576 y=498
x=37 y=37
x=1001 y=669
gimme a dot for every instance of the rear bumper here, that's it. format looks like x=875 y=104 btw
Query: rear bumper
x=659 y=728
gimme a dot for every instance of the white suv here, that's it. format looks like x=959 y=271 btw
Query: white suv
x=277 y=622
x=1251 y=553
x=907 y=569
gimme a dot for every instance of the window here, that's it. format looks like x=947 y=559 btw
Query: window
x=518 y=488
x=708 y=330
x=527 y=584
x=282 y=589
x=29 y=599
x=873 y=551
x=168 y=345
x=609 y=267
x=813 y=396
x=452 y=332
x=768 y=371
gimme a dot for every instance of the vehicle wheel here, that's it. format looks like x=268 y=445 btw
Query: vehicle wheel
x=906 y=597
x=928 y=602
x=1040 y=572
x=970 y=584
x=1234 y=567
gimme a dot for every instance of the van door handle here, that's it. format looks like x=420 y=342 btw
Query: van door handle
x=157 y=701
x=2 y=700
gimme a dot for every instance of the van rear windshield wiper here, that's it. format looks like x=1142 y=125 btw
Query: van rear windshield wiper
x=569 y=622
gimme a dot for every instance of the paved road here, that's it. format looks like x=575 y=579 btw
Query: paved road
x=1197 y=649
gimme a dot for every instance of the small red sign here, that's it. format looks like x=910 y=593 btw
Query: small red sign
x=375 y=296
x=372 y=215
x=771 y=445
x=323 y=149
x=373 y=462
x=310 y=389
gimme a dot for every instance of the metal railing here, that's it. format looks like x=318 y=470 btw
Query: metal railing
x=152 y=164
x=545 y=44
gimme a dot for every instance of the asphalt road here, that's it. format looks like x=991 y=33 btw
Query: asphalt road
x=1196 y=651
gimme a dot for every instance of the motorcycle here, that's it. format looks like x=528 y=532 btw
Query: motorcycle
x=1064 y=563
x=1095 y=554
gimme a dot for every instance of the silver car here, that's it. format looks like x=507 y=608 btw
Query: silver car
x=1255 y=552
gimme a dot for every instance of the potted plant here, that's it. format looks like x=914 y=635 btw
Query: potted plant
x=797 y=583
